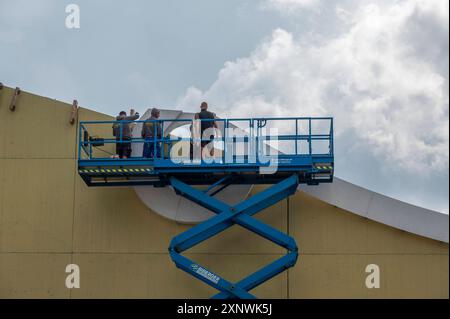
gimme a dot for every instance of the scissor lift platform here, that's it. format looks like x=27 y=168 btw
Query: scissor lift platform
x=283 y=159
x=297 y=156
x=124 y=173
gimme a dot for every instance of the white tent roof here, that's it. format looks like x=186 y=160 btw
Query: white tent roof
x=382 y=209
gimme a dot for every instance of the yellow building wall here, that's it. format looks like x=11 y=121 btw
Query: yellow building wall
x=49 y=218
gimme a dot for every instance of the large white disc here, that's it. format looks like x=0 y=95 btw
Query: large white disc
x=164 y=201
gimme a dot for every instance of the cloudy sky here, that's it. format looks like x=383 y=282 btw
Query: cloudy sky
x=379 y=67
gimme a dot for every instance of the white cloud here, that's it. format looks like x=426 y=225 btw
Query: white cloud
x=385 y=80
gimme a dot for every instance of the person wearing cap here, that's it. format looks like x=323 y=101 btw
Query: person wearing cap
x=123 y=133
x=207 y=126
x=151 y=127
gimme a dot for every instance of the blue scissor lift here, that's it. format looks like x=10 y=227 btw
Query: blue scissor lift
x=299 y=152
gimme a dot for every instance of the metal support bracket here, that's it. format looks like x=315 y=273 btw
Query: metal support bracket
x=1 y=88
x=14 y=100
x=226 y=217
x=74 y=112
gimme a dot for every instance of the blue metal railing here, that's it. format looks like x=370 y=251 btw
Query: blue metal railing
x=253 y=133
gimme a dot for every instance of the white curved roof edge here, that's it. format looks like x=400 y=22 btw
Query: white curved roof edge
x=382 y=209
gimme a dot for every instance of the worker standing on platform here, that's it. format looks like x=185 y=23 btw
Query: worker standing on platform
x=207 y=126
x=149 y=128
x=123 y=133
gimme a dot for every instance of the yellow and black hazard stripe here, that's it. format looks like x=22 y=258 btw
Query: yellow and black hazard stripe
x=324 y=167
x=113 y=171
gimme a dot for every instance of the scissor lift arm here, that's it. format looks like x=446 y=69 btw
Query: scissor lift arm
x=226 y=217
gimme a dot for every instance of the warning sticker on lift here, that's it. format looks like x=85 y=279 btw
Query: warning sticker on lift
x=205 y=273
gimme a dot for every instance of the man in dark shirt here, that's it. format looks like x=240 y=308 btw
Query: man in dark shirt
x=124 y=133
x=207 y=124
x=149 y=128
